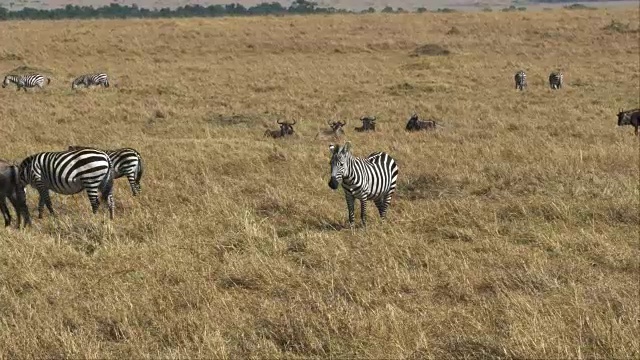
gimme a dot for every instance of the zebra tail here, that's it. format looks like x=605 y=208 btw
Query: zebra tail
x=48 y=81
x=106 y=185
x=140 y=170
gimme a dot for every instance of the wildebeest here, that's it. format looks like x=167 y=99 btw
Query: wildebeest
x=368 y=124
x=11 y=188
x=335 y=130
x=629 y=117
x=415 y=124
x=285 y=130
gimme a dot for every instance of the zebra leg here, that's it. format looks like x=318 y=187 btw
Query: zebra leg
x=92 y=193
x=44 y=200
x=135 y=188
x=350 y=201
x=363 y=212
x=5 y=212
x=111 y=205
x=383 y=204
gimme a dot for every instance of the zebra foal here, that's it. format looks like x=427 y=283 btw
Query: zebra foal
x=126 y=162
x=521 y=80
x=67 y=173
x=26 y=81
x=371 y=178
x=91 y=80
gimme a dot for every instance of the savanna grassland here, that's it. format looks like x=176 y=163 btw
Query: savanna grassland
x=514 y=231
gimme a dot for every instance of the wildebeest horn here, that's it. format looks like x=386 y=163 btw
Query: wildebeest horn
x=294 y=122
x=278 y=121
x=329 y=122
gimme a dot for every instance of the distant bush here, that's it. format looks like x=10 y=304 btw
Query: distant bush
x=446 y=10
x=578 y=7
x=513 y=8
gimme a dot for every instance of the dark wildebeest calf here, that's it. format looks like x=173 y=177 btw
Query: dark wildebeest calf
x=11 y=188
x=337 y=127
x=286 y=129
x=415 y=124
x=629 y=117
x=368 y=124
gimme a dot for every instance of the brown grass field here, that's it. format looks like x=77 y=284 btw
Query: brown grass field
x=513 y=234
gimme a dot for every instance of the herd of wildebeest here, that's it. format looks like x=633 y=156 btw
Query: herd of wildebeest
x=65 y=172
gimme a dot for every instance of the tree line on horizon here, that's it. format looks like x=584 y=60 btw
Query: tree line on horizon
x=117 y=11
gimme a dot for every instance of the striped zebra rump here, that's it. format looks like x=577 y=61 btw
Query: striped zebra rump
x=556 y=79
x=26 y=81
x=521 y=80
x=67 y=173
x=88 y=80
x=126 y=162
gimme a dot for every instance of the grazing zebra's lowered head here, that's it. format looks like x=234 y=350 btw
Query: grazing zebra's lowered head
x=629 y=117
x=11 y=188
x=415 y=124
x=371 y=178
x=286 y=129
x=126 y=162
x=521 y=80
x=26 y=81
x=556 y=79
x=368 y=124
x=67 y=173
x=91 y=80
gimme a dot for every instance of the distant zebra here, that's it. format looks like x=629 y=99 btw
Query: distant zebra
x=69 y=172
x=26 y=81
x=521 y=80
x=126 y=162
x=556 y=79
x=371 y=178
x=91 y=80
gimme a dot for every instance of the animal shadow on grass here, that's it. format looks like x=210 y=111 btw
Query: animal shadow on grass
x=326 y=224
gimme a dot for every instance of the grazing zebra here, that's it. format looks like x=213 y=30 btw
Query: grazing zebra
x=371 y=178
x=91 y=79
x=555 y=80
x=126 y=162
x=69 y=172
x=26 y=81
x=521 y=80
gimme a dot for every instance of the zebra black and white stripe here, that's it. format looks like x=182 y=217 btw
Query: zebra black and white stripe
x=556 y=79
x=371 y=178
x=26 y=81
x=67 y=173
x=91 y=80
x=126 y=162
x=521 y=80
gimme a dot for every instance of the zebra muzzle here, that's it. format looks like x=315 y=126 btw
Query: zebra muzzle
x=333 y=183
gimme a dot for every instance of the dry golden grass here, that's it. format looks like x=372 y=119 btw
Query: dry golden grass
x=514 y=232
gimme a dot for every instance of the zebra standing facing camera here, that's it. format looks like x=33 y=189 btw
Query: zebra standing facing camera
x=91 y=80
x=371 y=178
x=67 y=173
x=521 y=80
x=26 y=81
x=556 y=79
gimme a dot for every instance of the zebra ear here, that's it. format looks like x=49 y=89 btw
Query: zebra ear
x=347 y=147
